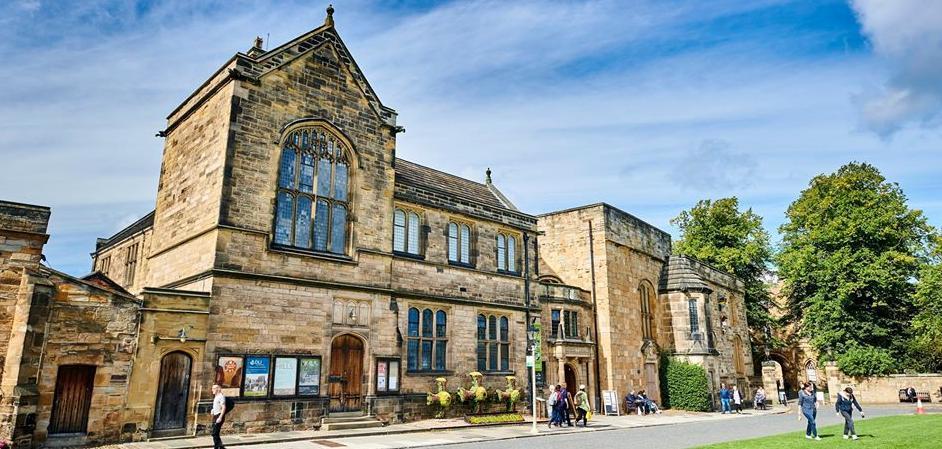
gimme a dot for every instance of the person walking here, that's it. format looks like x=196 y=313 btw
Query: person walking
x=725 y=397
x=846 y=401
x=737 y=399
x=582 y=406
x=808 y=407
x=219 y=415
x=564 y=403
x=551 y=405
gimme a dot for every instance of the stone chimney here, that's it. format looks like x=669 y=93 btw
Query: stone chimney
x=22 y=233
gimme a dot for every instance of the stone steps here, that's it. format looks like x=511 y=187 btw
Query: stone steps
x=349 y=420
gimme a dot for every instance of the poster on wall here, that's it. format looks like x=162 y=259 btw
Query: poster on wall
x=394 y=375
x=256 y=376
x=286 y=373
x=381 y=367
x=309 y=382
x=229 y=375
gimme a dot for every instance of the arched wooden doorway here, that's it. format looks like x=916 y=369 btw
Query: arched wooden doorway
x=570 y=376
x=346 y=373
x=173 y=391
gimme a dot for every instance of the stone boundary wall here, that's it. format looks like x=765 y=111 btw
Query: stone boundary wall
x=883 y=389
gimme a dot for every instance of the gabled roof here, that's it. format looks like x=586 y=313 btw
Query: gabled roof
x=141 y=224
x=103 y=281
x=428 y=178
x=44 y=270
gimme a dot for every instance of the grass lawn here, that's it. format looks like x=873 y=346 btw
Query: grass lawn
x=905 y=431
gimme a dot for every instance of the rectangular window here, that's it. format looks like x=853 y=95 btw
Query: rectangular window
x=493 y=352
x=555 y=323
x=130 y=264
x=427 y=340
x=694 y=318
x=399 y=231
x=459 y=243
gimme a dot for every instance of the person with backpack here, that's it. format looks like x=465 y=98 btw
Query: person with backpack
x=219 y=411
x=562 y=406
x=582 y=406
x=846 y=401
x=551 y=401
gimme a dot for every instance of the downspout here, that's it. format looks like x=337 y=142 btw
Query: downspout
x=595 y=315
x=526 y=300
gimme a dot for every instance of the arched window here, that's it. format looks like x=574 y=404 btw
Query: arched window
x=428 y=340
x=647 y=312
x=506 y=253
x=312 y=202
x=459 y=243
x=493 y=343
x=406 y=232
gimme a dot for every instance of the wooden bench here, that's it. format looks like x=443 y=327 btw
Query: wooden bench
x=921 y=395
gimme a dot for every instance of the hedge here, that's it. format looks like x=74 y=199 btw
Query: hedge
x=684 y=386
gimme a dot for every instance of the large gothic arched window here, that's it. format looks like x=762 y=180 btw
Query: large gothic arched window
x=312 y=203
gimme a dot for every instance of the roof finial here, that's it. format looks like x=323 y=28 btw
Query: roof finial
x=329 y=21
x=488 y=173
x=256 y=49
x=259 y=42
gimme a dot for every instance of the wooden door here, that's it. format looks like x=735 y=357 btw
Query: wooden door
x=73 y=399
x=570 y=375
x=172 y=392
x=346 y=373
x=651 y=382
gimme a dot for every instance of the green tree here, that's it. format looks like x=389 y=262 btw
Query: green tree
x=718 y=233
x=927 y=324
x=851 y=248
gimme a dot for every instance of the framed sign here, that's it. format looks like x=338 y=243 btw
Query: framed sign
x=309 y=376
x=286 y=375
x=610 y=402
x=387 y=376
x=229 y=374
x=257 y=370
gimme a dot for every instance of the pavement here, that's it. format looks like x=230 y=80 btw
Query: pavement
x=436 y=432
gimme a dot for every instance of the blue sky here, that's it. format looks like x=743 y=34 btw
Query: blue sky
x=648 y=105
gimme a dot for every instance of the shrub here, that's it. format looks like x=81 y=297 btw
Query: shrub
x=495 y=419
x=864 y=361
x=684 y=386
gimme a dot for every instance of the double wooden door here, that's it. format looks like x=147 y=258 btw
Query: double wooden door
x=72 y=399
x=345 y=382
x=172 y=392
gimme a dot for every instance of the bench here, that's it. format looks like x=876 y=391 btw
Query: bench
x=920 y=395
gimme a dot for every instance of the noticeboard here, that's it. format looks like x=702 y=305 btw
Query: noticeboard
x=610 y=402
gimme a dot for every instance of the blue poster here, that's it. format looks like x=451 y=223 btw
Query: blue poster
x=256 y=376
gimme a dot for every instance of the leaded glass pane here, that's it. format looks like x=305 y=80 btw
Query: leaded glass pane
x=452 y=242
x=426 y=354
x=305 y=140
x=482 y=327
x=321 y=225
x=323 y=176
x=338 y=237
x=413 y=233
x=511 y=254
x=465 y=244
x=492 y=356
x=413 y=354
x=694 y=319
x=440 y=355
x=286 y=172
x=340 y=182
x=501 y=252
x=413 y=322
x=427 y=323
x=399 y=230
x=302 y=225
x=284 y=218
x=503 y=328
x=492 y=327
x=482 y=356
x=306 y=181
x=505 y=357
x=441 y=323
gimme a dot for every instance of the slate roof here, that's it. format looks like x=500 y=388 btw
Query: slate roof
x=678 y=274
x=429 y=178
x=143 y=223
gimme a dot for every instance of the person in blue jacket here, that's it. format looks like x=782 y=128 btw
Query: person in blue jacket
x=725 y=395
x=808 y=408
x=846 y=401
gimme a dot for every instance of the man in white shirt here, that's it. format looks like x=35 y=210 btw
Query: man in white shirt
x=219 y=415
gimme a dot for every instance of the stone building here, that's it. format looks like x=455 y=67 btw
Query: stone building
x=295 y=260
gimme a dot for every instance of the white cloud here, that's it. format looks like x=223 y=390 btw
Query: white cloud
x=907 y=34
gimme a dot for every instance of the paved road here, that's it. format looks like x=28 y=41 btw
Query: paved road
x=677 y=436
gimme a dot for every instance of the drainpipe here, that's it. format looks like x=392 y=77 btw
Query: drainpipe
x=595 y=315
x=526 y=300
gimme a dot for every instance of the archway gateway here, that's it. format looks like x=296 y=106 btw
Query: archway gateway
x=172 y=393
x=346 y=373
